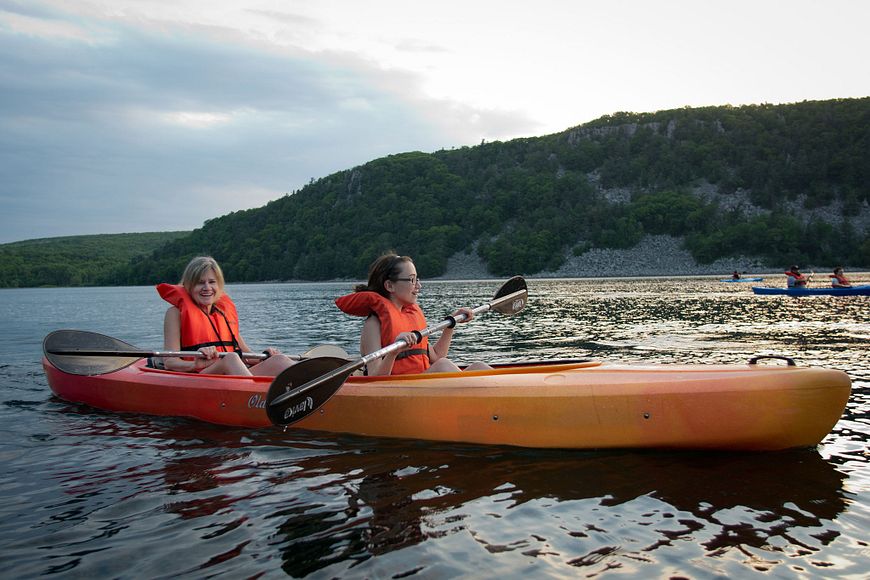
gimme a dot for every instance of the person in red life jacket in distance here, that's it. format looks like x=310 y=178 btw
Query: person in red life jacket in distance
x=389 y=303
x=838 y=279
x=203 y=318
x=735 y=275
x=796 y=279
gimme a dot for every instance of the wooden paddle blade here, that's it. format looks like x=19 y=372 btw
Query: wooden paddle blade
x=79 y=364
x=304 y=387
x=517 y=287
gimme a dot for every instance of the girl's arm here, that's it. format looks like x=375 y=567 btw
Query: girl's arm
x=442 y=347
x=369 y=342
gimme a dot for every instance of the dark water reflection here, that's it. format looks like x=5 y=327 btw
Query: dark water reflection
x=91 y=494
x=570 y=508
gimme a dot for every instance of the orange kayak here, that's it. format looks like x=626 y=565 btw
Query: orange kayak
x=577 y=405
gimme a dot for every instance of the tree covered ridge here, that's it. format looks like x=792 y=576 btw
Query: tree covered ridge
x=818 y=149
x=74 y=260
x=526 y=204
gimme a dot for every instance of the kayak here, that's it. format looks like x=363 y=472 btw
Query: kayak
x=853 y=291
x=569 y=404
x=741 y=279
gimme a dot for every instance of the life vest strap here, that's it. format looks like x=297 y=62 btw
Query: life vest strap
x=412 y=352
x=227 y=345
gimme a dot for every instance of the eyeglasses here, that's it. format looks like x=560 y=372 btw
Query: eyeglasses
x=414 y=280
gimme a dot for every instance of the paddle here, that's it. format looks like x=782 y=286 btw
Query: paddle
x=304 y=387
x=79 y=352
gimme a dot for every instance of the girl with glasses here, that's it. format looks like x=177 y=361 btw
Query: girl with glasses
x=389 y=303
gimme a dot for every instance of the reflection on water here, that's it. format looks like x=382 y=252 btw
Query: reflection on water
x=332 y=504
x=86 y=492
x=563 y=506
x=687 y=321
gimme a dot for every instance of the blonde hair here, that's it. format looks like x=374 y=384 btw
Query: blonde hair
x=195 y=270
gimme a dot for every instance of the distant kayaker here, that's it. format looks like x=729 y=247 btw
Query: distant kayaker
x=389 y=303
x=796 y=279
x=203 y=318
x=735 y=275
x=838 y=279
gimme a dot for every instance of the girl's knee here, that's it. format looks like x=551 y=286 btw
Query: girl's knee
x=273 y=365
x=443 y=365
x=232 y=358
x=478 y=366
x=233 y=364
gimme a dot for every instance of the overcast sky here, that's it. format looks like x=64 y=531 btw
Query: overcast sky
x=151 y=115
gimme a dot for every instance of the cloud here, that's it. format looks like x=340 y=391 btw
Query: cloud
x=108 y=127
x=109 y=110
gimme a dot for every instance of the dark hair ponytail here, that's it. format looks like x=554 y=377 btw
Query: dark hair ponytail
x=386 y=267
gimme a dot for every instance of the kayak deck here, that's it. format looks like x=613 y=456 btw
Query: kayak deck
x=579 y=405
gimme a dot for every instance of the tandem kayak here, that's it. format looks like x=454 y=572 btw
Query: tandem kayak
x=853 y=291
x=573 y=404
x=741 y=279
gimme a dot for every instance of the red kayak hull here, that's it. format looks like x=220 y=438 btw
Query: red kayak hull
x=581 y=406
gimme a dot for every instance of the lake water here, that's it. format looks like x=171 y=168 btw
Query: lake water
x=88 y=494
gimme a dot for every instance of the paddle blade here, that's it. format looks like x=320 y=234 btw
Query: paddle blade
x=302 y=388
x=325 y=350
x=82 y=340
x=517 y=290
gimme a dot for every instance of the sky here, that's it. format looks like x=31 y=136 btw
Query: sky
x=157 y=115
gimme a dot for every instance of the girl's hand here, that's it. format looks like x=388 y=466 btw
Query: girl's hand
x=272 y=351
x=409 y=337
x=210 y=355
x=469 y=314
x=209 y=352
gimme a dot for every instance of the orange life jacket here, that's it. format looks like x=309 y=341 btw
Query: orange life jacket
x=198 y=329
x=393 y=322
x=795 y=280
x=839 y=280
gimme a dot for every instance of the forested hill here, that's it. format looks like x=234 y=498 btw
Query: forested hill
x=789 y=183
x=74 y=260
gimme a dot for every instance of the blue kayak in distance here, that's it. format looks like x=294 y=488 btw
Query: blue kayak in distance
x=853 y=291
x=741 y=280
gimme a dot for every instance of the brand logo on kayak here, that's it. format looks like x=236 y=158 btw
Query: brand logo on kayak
x=257 y=402
x=306 y=405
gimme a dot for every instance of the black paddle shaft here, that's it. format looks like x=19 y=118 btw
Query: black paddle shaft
x=317 y=382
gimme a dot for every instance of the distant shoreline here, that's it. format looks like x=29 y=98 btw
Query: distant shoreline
x=653 y=257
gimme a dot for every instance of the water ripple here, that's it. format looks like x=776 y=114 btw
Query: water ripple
x=86 y=491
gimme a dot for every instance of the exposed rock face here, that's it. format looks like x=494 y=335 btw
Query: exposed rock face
x=653 y=256
x=462 y=266
x=739 y=200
